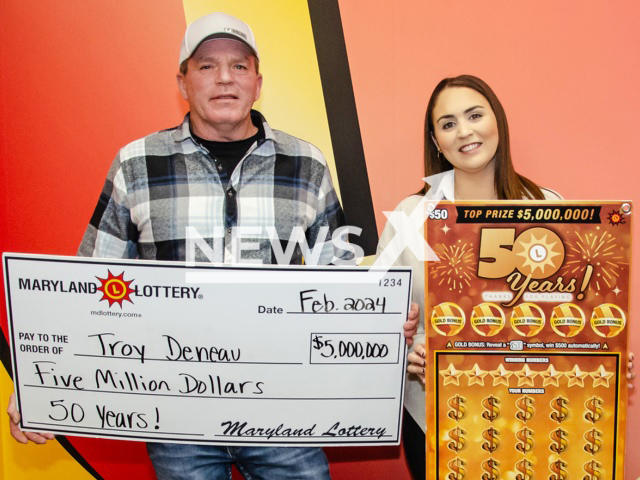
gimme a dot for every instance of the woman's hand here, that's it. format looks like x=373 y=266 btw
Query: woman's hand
x=630 y=373
x=411 y=325
x=19 y=435
x=417 y=361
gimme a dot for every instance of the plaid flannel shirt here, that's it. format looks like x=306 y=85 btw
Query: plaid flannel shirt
x=163 y=195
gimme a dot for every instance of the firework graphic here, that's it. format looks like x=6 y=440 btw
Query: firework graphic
x=456 y=266
x=598 y=250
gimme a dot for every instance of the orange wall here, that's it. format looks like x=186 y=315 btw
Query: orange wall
x=566 y=71
x=78 y=80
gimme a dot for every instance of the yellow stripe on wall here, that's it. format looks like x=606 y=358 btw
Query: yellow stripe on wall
x=32 y=462
x=292 y=99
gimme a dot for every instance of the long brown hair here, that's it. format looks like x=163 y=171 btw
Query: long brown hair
x=509 y=184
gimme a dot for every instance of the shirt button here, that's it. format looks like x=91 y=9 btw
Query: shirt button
x=230 y=194
x=219 y=168
x=229 y=231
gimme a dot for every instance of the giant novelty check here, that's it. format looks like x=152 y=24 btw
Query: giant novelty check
x=220 y=355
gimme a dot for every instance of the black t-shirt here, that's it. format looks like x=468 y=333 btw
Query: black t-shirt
x=227 y=155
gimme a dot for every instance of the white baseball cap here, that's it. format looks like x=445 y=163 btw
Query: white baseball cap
x=216 y=25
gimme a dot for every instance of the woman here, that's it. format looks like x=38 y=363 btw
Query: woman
x=467 y=157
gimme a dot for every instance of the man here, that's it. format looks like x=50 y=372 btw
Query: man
x=235 y=182
x=223 y=172
x=224 y=177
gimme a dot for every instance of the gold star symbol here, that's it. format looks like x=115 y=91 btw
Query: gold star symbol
x=526 y=376
x=576 y=376
x=551 y=376
x=451 y=375
x=501 y=376
x=476 y=375
x=601 y=377
x=445 y=229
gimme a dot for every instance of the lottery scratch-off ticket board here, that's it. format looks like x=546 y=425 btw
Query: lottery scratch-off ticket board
x=527 y=314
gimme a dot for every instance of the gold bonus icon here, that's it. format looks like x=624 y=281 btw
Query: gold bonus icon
x=567 y=320
x=608 y=320
x=447 y=319
x=527 y=319
x=487 y=319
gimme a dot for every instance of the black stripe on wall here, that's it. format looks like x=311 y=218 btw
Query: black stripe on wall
x=343 y=121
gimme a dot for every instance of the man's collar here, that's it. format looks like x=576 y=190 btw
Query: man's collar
x=258 y=119
x=183 y=132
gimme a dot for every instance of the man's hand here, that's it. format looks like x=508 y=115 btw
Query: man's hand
x=19 y=435
x=417 y=362
x=411 y=325
x=630 y=373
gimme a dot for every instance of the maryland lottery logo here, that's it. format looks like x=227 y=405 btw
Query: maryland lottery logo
x=115 y=289
x=615 y=218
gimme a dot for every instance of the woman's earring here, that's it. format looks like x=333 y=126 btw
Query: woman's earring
x=440 y=157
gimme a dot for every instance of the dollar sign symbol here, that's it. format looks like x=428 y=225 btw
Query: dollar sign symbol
x=457 y=471
x=317 y=343
x=594 y=412
x=491 y=436
x=490 y=466
x=594 y=444
x=458 y=442
x=458 y=410
x=558 y=471
x=492 y=411
x=560 y=411
x=592 y=470
x=525 y=408
x=526 y=440
x=559 y=439
x=524 y=467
